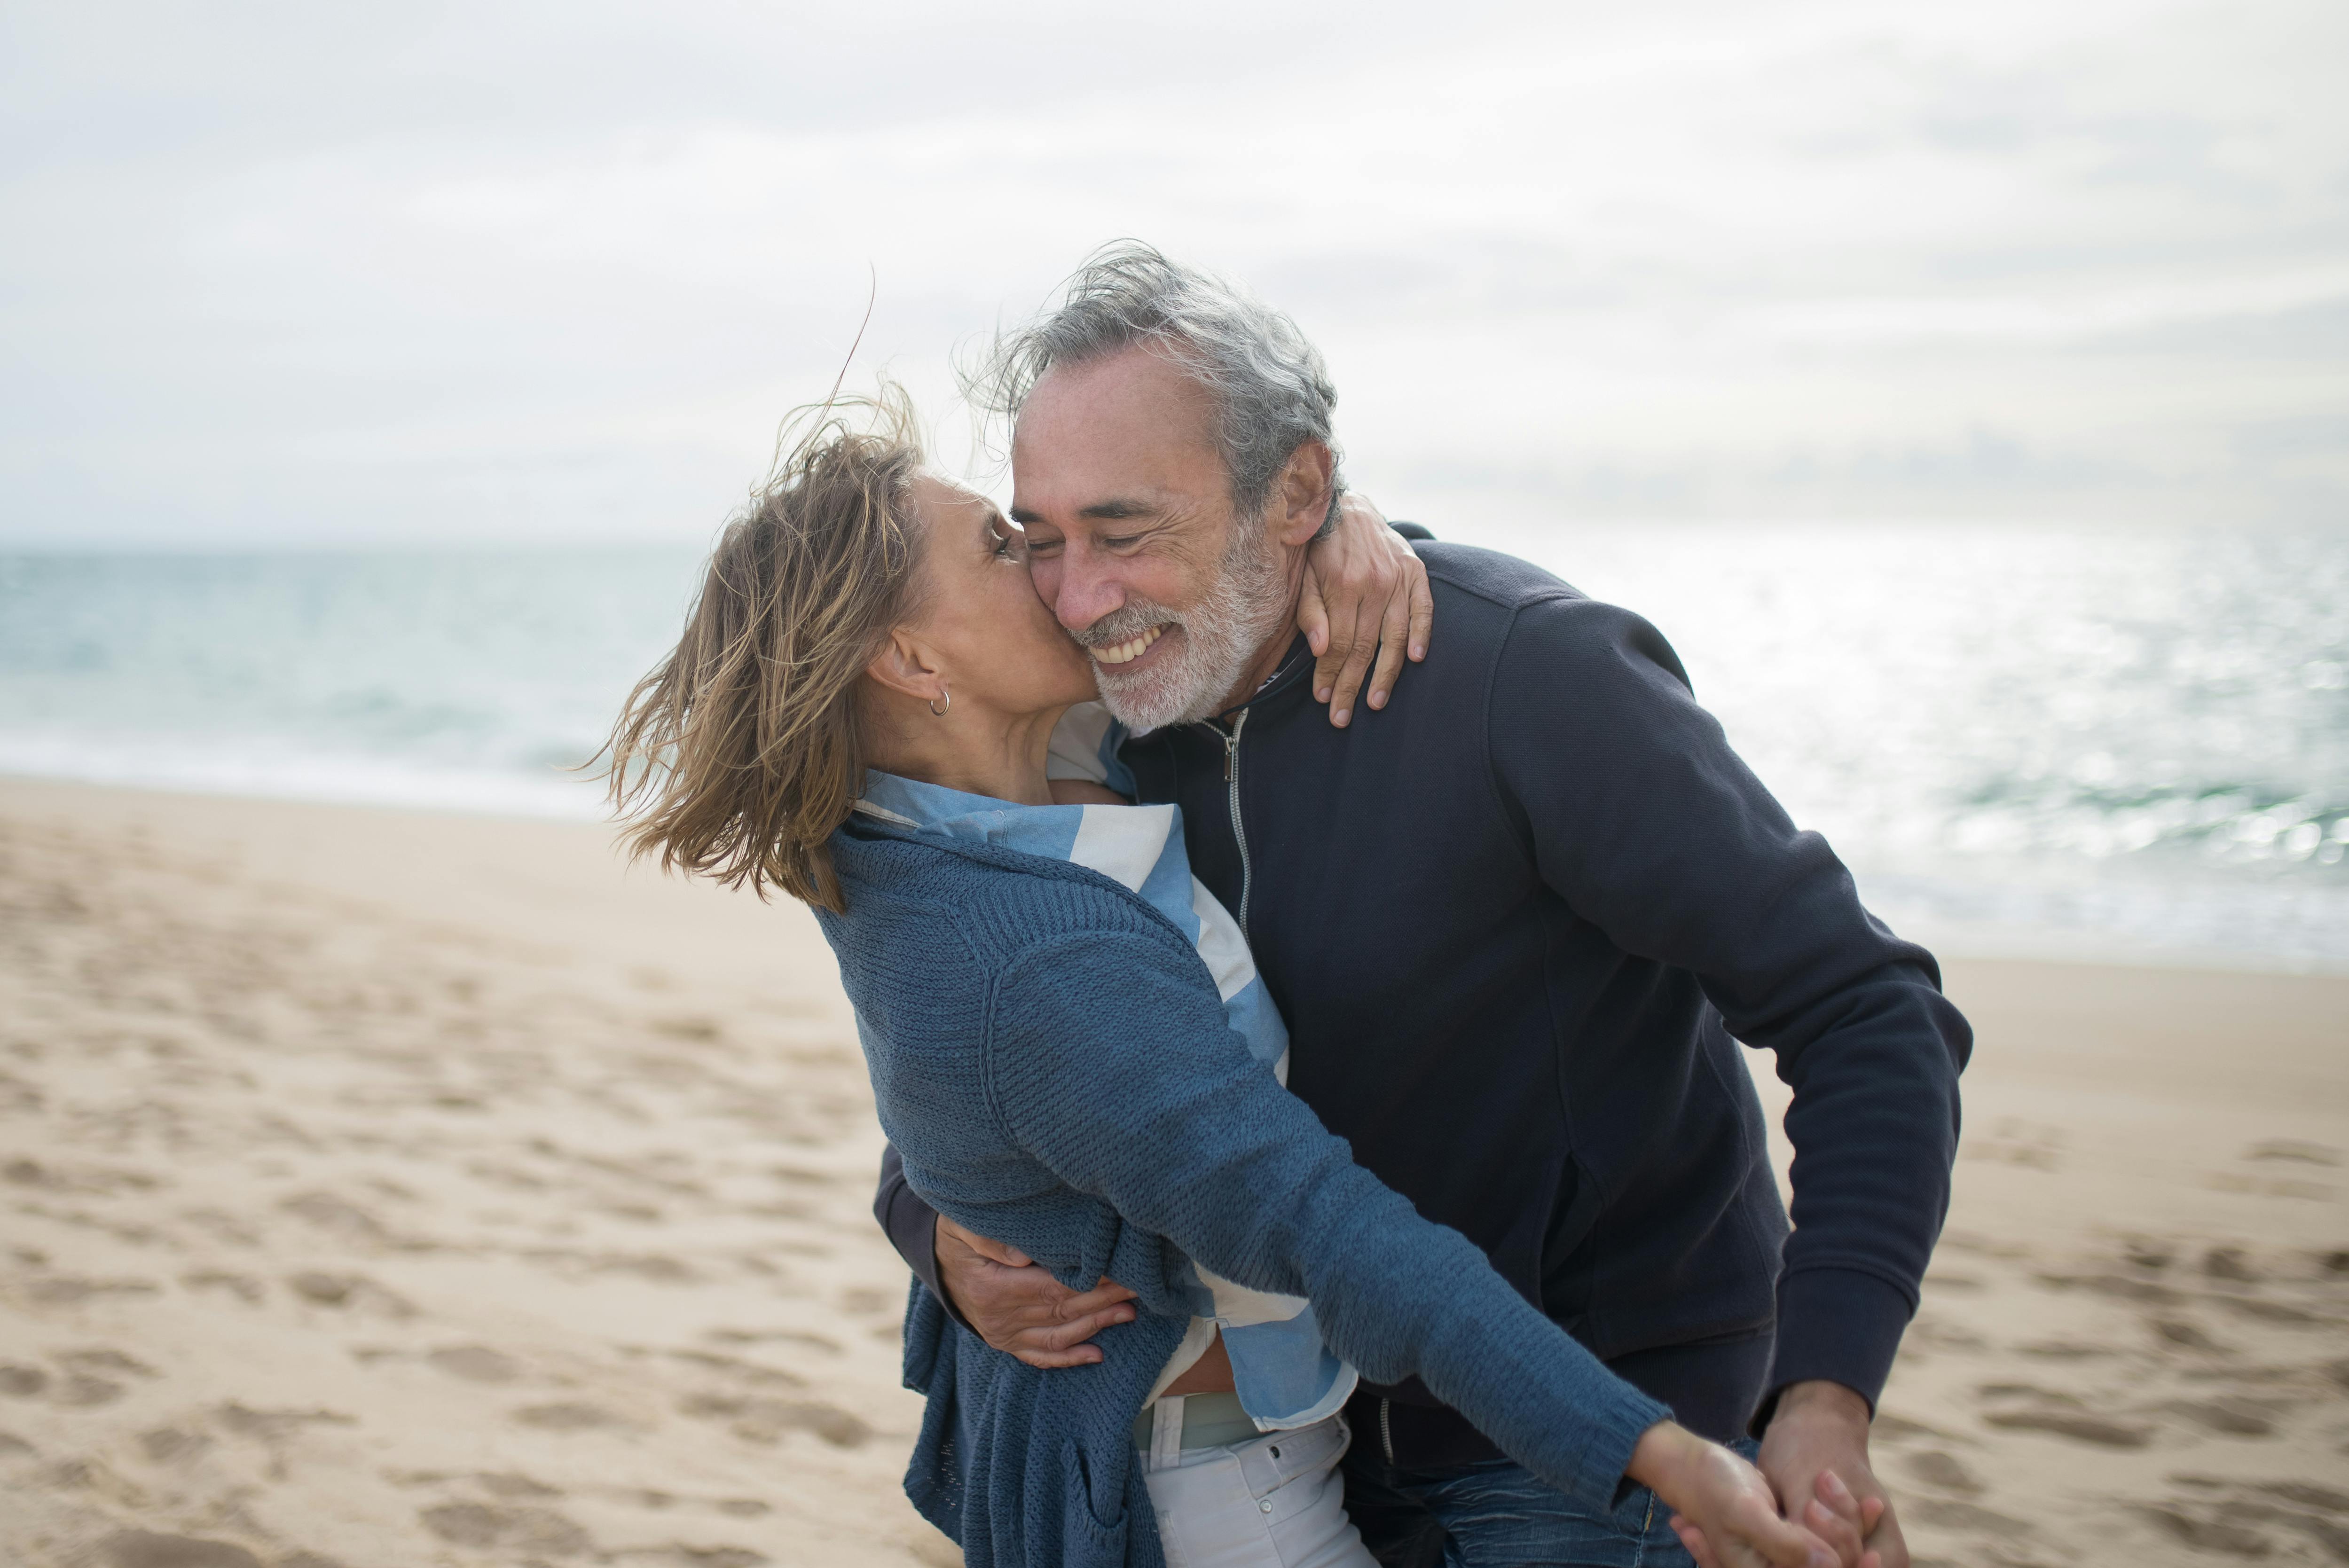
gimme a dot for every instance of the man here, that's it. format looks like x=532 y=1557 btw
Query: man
x=1515 y=923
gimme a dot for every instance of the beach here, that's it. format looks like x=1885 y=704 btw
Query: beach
x=385 y=1188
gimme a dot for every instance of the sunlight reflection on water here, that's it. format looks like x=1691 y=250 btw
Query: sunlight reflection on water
x=2145 y=732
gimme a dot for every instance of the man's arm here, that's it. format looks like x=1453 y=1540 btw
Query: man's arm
x=910 y=1225
x=1649 y=826
x=991 y=1289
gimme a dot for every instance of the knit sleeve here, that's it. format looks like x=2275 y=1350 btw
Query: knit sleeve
x=1109 y=1059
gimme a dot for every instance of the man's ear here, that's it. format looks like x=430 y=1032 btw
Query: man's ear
x=1301 y=495
x=904 y=665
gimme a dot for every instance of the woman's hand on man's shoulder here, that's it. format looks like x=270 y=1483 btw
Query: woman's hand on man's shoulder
x=1366 y=595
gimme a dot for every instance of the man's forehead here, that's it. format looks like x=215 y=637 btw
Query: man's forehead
x=1131 y=400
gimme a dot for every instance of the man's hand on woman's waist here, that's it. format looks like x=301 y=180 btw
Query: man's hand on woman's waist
x=1016 y=1305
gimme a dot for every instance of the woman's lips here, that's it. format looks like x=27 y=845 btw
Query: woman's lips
x=1125 y=653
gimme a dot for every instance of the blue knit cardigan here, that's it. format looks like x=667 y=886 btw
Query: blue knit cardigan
x=1049 y=1055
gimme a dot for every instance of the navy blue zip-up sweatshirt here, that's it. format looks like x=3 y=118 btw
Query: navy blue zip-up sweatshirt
x=1514 y=921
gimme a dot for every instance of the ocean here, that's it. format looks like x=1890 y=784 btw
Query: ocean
x=2083 y=741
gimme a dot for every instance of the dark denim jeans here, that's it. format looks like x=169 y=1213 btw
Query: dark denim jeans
x=1500 y=1515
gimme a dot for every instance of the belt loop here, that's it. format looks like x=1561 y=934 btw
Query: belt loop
x=1166 y=1433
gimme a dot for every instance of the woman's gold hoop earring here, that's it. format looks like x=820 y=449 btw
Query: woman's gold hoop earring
x=941 y=712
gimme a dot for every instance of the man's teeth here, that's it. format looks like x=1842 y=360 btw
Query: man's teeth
x=1126 y=652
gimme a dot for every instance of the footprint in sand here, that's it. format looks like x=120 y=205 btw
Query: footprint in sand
x=63 y=1291
x=476 y=1363
x=277 y=1426
x=766 y=1420
x=145 y=1549
x=2228 y=1416
x=356 y=1291
x=2060 y=1415
x=343 y=1219
x=698 y=1556
x=2293 y=1150
x=103 y=1359
x=2217 y=1536
x=1972 y=1519
x=531 y=1531
x=569 y=1417
x=168 y=1444
x=1945 y=1471
x=2224 y=1516
x=82 y=1392
x=2231 y=1264
x=244 y=1287
x=2186 y=1335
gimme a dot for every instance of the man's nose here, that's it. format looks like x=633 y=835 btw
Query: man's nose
x=1087 y=590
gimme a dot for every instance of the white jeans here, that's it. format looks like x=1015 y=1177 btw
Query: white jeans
x=1271 y=1502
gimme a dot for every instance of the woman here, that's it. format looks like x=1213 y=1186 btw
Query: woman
x=1068 y=1048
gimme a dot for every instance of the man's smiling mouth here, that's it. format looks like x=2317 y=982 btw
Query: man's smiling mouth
x=1127 y=652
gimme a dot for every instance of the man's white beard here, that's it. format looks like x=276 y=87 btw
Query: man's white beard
x=1222 y=635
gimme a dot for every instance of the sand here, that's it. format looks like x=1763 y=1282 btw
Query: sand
x=382 y=1189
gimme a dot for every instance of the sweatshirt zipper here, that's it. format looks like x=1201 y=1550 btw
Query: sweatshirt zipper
x=1239 y=829
x=1386 y=1427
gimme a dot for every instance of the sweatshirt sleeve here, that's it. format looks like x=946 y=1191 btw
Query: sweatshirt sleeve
x=1111 y=1062
x=1650 y=826
x=911 y=1226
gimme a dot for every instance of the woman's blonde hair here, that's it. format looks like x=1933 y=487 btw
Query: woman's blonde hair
x=738 y=756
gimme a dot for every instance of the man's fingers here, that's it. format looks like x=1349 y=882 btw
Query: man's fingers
x=1887 y=1544
x=985 y=1246
x=1107 y=1293
x=1067 y=1336
x=1051 y=1360
x=1871 y=1513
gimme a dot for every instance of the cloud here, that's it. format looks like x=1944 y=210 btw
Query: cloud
x=523 y=272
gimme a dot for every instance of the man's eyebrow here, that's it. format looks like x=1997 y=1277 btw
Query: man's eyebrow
x=1113 y=510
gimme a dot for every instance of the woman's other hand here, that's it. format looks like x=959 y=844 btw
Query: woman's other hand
x=1366 y=594
x=1724 y=1512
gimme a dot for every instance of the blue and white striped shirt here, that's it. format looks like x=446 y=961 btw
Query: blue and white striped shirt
x=1283 y=1373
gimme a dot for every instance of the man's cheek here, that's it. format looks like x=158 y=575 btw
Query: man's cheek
x=1044 y=571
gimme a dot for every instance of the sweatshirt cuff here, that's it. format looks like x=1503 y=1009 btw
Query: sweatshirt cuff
x=1840 y=1326
x=1617 y=1428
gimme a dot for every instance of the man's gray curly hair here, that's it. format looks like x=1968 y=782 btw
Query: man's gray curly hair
x=1272 y=392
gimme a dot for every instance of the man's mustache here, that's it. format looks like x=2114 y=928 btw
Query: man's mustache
x=1126 y=622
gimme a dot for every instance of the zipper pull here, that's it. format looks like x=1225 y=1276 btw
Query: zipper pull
x=1231 y=750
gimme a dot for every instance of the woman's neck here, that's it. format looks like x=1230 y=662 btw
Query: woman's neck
x=975 y=752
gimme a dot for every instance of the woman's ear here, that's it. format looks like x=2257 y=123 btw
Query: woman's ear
x=904 y=665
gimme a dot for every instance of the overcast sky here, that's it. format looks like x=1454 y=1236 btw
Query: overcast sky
x=505 y=272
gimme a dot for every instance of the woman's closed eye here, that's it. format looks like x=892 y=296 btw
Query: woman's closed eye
x=1010 y=545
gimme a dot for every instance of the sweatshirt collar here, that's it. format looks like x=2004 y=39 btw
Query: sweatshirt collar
x=1292 y=669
